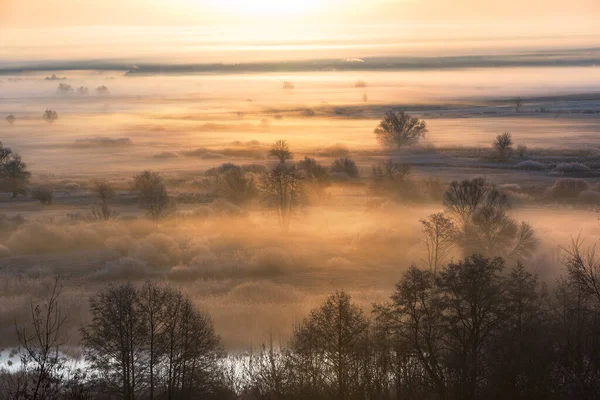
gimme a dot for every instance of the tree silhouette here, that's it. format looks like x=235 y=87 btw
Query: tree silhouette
x=399 y=129
x=281 y=151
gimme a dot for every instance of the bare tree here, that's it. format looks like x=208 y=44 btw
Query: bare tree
x=330 y=341
x=471 y=294
x=583 y=267
x=114 y=341
x=42 y=369
x=284 y=190
x=503 y=145
x=152 y=194
x=399 y=129
x=414 y=319
x=281 y=151
x=439 y=237
x=105 y=193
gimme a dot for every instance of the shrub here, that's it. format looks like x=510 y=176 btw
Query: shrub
x=571 y=168
x=44 y=194
x=567 y=188
x=521 y=150
x=503 y=145
x=591 y=197
x=530 y=164
x=346 y=166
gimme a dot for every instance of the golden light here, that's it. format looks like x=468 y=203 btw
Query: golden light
x=259 y=8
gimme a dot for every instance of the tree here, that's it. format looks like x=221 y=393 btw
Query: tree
x=114 y=341
x=503 y=145
x=471 y=295
x=330 y=340
x=50 y=116
x=82 y=90
x=439 y=237
x=283 y=190
x=105 y=193
x=42 y=369
x=236 y=186
x=583 y=267
x=399 y=129
x=13 y=173
x=463 y=198
x=11 y=119
x=152 y=194
x=518 y=104
x=281 y=151
x=484 y=225
x=414 y=319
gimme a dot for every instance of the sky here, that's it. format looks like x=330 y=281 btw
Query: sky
x=223 y=30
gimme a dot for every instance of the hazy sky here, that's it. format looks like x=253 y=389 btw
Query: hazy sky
x=161 y=12
x=84 y=29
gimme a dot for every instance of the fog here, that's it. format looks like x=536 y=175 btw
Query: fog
x=255 y=272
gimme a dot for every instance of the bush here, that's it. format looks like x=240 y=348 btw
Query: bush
x=571 y=168
x=591 y=197
x=43 y=194
x=503 y=145
x=346 y=166
x=567 y=188
x=530 y=164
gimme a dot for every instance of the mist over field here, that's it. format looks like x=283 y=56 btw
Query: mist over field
x=362 y=211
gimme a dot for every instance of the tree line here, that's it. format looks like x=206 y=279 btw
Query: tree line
x=472 y=329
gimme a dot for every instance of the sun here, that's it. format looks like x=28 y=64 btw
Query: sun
x=267 y=7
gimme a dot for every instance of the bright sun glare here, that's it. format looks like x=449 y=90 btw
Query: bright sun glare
x=267 y=7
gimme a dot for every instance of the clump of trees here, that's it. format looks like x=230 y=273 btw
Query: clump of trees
x=345 y=166
x=102 y=91
x=480 y=212
x=399 y=129
x=50 y=116
x=151 y=342
x=316 y=176
x=82 y=91
x=14 y=176
x=152 y=194
x=64 y=88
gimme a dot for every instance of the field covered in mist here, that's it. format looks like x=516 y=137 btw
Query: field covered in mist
x=253 y=278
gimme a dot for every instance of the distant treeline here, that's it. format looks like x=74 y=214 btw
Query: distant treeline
x=555 y=58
